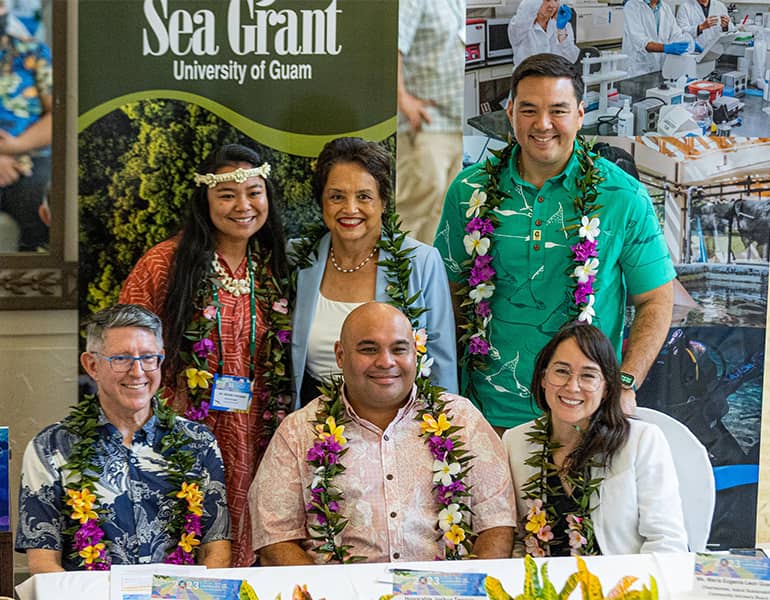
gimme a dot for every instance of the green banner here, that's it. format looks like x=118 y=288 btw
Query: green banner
x=290 y=73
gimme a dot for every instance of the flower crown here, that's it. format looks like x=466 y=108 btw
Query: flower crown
x=239 y=175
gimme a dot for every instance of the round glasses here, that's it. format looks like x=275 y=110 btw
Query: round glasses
x=122 y=363
x=588 y=381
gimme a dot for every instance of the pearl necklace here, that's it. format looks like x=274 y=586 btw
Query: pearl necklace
x=354 y=269
x=236 y=287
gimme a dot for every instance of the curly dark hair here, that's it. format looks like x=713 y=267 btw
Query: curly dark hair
x=197 y=243
x=371 y=156
x=608 y=430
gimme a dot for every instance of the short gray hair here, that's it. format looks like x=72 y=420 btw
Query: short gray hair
x=121 y=315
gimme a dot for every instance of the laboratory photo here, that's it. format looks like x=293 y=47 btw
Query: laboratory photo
x=650 y=67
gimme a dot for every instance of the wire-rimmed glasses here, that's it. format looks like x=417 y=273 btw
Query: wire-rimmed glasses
x=559 y=375
x=122 y=363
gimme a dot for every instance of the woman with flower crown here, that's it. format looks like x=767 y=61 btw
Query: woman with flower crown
x=583 y=449
x=359 y=255
x=220 y=287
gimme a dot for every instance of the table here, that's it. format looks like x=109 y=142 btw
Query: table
x=368 y=581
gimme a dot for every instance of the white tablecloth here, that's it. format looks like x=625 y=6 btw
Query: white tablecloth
x=674 y=573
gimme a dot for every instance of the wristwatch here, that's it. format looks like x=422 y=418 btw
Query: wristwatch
x=628 y=381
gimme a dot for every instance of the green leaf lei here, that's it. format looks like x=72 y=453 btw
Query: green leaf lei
x=80 y=475
x=451 y=459
x=538 y=523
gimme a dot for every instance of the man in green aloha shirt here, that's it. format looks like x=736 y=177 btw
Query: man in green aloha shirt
x=550 y=235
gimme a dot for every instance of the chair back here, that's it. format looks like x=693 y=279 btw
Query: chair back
x=696 y=476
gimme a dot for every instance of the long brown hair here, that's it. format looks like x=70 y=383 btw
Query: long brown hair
x=608 y=428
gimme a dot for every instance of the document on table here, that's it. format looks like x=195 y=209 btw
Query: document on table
x=134 y=582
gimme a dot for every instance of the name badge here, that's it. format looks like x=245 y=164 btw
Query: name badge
x=230 y=393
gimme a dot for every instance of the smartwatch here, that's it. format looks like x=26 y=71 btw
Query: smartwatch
x=628 y=381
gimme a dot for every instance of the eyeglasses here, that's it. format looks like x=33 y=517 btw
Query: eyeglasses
x=558 y=375
x=122 y=363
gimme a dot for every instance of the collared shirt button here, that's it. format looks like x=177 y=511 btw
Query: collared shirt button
x=540 y=199
x=396 y=555
x=389 y=476
x=536 y=247
x=538 y=222
x=393 y=515
x=385 y=437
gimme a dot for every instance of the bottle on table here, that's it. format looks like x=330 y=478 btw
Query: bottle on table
x=702 y=111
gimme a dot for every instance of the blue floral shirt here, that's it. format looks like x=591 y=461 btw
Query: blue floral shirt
x=132 y=486
x=25 y=76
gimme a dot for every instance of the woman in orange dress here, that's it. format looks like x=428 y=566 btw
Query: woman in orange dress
x=219 y=287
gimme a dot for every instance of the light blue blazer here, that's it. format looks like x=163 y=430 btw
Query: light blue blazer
x=428 y=277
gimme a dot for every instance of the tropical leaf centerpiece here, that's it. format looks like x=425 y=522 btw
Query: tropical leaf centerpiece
x=537 y=586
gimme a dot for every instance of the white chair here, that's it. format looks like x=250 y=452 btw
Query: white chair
x=696 y=476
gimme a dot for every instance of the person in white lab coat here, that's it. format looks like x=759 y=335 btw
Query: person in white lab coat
x=649 y=31
x=703 y=20
x=542 y=26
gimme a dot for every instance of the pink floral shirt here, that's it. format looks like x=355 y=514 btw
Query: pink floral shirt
x=387 y=484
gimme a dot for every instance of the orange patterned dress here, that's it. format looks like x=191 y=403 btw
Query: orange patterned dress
x=238 y=435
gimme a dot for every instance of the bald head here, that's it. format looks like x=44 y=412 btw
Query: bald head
x=376 y=353
x=378 y=314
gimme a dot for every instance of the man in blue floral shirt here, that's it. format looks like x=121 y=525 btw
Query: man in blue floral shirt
x=122 y=480
x=25 y=131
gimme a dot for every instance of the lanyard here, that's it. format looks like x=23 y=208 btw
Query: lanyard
x=252 y=326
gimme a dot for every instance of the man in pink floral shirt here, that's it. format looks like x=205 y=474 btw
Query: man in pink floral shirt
x=389 y=498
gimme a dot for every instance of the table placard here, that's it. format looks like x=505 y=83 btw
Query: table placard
x=732 y=576
x=435 y=585
x=170 y=587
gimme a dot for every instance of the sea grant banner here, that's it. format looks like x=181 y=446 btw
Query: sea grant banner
x=289 y=73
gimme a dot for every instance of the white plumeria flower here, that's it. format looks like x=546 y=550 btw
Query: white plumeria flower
x=444 y=471
x=481 y=291
x=474 y=241
x=589 y=229
x=424 y=366
x=478 y=199
x=587 y=269
x=449 y=516
x=587 y=314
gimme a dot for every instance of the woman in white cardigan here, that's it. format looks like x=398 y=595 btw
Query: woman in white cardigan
x=589 y=480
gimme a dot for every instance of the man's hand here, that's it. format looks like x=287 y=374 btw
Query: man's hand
x=708 y=24
x=10 y=170
x=628 y=400
x=9 y=144
x=414 y=109
x=724 y=21
x=675 y=48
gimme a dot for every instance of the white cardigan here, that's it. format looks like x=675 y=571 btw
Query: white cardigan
x=638 y=509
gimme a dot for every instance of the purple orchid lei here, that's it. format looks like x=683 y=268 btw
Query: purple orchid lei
x=478 y=271
x=89 y=543
x=275 y=395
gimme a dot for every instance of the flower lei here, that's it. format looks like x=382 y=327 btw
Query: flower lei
x=89 y=544
x=540 y=519
x=451 y=463
x=275 y=396
x=478 y=272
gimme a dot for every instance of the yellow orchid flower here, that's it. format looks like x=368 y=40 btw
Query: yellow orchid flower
x=188 y=491
x=536 y=522
x=455 y=534
x=188 y=541
x=431 y=425
x=335 y=431
x=91 y=553
x=197 y=378
x=83 y=514
x=82 y=500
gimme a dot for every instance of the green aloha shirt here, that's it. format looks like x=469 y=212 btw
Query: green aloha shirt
x=533 y=296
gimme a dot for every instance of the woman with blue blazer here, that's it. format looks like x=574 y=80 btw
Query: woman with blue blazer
x=354 y=262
